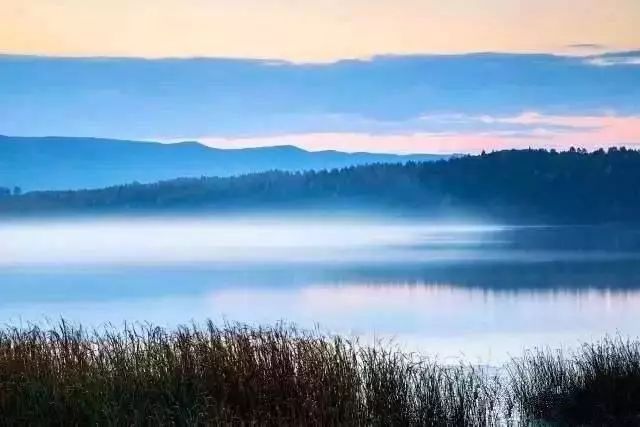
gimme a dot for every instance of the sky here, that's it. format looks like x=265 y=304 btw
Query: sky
x=353 y=75
x=311 y=30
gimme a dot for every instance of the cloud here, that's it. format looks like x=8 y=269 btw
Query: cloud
x=478 y=98
x=587 y=46
x=428 y=123
x=618 y=58
x=527 y=130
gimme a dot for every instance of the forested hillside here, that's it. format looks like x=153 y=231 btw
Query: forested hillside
x=572 y=186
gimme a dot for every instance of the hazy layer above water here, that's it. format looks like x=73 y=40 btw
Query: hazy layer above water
x=147 y=241
x=155 y=241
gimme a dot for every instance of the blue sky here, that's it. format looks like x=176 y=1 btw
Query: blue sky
x=420 y=103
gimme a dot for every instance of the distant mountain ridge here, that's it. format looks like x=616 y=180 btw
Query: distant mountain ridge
x=66 y=163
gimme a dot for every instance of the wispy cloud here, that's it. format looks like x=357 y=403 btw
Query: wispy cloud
x=588 y=46
x=617 y=58
x=527 y=130
x=472 y=100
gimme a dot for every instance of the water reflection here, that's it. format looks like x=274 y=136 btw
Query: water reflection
x=479 y=293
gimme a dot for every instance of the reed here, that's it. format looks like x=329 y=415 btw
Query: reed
x=235 y=374
x=597 y=385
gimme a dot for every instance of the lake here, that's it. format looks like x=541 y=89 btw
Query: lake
x=478 y=292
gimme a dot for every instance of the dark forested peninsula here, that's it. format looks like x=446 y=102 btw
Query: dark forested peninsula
x=572 y=186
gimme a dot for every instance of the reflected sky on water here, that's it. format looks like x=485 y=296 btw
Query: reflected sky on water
x=474 y=292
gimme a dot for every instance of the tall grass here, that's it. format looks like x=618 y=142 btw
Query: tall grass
x=144 y=375
x=234 y=374
x=597 y=385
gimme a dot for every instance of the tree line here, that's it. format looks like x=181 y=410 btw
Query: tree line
x=569 y=186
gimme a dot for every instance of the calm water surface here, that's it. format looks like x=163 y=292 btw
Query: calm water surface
x=476 y=292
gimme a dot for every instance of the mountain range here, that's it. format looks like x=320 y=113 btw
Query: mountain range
x=64 y=163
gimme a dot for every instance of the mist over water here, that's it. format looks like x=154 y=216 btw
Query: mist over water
x=477 y=291
x=149 y=241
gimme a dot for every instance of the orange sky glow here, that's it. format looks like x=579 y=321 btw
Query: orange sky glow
x=312 y=30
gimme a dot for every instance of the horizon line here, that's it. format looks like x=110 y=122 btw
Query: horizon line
x=365 y=58
x=632 y=147
x=195 y=141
